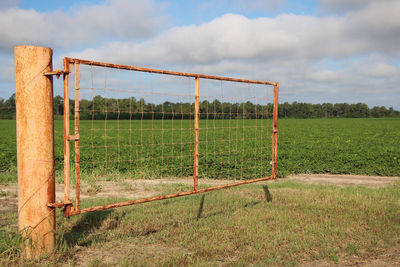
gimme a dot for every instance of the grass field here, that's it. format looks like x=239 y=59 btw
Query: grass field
x=228 y=149
x=233 y=227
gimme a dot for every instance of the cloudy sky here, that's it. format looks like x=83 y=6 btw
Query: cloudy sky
x=319 y=50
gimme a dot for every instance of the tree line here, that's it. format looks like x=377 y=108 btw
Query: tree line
x=100 y=108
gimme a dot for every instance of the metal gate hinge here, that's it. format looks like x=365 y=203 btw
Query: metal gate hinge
x=56 y=72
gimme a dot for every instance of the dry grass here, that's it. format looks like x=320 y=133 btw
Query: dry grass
x=303 y=224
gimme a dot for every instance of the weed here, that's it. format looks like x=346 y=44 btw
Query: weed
x=94 y=189
x=10 y=244
x=3 y=193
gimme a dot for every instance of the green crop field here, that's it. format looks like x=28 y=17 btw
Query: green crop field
x=228 y=149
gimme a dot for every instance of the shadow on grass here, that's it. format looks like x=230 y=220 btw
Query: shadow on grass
x=267 y=193
x=83 y=232
x=89 y=228
x=200 y=211
x=250 y=203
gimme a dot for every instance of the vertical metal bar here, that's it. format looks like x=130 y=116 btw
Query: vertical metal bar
x=35 y=148
x=77 y=154
x=196 y=134
x=66 y=132
x=275 y=133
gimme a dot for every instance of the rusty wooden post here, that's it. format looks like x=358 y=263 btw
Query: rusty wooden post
x=275 y=133
x=35 y=148
x=196 y=134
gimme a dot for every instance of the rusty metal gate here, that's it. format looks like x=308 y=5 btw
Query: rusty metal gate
x=234 y=136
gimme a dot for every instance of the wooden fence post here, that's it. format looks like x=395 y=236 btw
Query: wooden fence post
x=35 y=148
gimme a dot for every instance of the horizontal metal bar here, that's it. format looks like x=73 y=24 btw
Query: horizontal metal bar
x=181 y=194
x=175 y=73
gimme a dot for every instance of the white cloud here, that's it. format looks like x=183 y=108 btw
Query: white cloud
x=288 y=48
x=7 y=71
x=378 y=70
x=6 y=4
x=240 y=6
x=285 y=37
x=82 y=25
x=265 y=5
x=322 y=76
x=348 y=5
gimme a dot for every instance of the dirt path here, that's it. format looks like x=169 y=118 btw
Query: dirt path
x=343 y=180
x=387 y=258
x=138 y=188
x=142 y=188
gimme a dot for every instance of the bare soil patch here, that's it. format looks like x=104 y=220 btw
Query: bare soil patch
x=8 y=198
x=345 y=180
x=387 y=258
x=142 y=188
x=111 y=253
x=138 y=188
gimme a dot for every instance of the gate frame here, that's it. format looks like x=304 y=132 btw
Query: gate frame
x=70 y=209
x=35 y=143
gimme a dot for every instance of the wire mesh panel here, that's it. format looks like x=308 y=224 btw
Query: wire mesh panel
x=235 y=130
x=135 y=124
x=132 y=123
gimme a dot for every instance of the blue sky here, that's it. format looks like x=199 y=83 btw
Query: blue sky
x=193 y=12
x=319 y=50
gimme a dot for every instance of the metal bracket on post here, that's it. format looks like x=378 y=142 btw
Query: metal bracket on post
x=59 y=204
x=68 y=207
x=56 y=72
